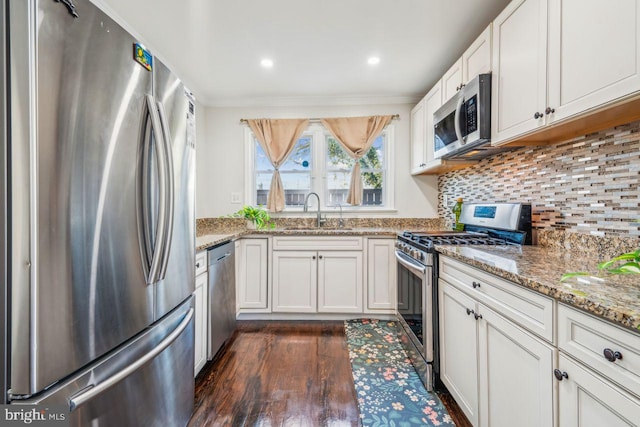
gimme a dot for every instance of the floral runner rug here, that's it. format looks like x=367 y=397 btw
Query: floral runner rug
x=390 y=393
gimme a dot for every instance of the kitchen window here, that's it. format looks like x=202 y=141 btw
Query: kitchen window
x=318 y=163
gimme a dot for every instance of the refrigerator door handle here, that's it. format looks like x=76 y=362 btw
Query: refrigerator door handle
x=170 y=189
x=156 y=259
x=92 y=391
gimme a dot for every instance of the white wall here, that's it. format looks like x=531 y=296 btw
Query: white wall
x=220 y=157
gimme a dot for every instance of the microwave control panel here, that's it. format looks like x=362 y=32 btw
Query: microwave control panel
x=471 y=111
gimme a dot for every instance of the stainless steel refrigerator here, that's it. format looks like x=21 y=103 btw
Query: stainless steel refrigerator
x=98 y=220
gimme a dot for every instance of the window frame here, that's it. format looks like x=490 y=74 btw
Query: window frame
x=319 y=143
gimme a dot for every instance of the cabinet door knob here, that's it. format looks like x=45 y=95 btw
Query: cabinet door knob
x=319 y=256
x=475 y=284
x=462 y=85
x=611 y=355
x=313 y=257
x=469 y=311
x=477 y=316
x=197 y=265
x=550 y=110
x=457 y=88
x=560 y=375
x=537 y=115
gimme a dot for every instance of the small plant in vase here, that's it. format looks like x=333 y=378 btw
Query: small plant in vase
x=257 y=217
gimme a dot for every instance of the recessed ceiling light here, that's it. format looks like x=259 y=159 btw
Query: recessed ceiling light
x=266 y=63
x=373 y=60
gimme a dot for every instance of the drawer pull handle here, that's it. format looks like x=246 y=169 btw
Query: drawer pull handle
x=475 y=285
x=469 y=311
x=611 y=355
x=477 y=316
x=560 y=375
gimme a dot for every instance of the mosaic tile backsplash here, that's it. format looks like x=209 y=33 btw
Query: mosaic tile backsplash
x=589 y=184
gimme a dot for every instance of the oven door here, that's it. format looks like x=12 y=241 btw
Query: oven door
x=415 y=303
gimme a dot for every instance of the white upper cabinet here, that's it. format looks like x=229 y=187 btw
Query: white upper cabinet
x=422 y=129
x=418 y=137
x=432 y=101
x=594 y=53
x=557 y=59
x=452 y=80
x=519 y=82
x=475 y=60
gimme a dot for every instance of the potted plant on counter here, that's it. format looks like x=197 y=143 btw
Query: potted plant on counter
x=257 y=217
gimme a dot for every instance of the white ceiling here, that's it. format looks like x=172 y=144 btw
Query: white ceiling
x=320 y=48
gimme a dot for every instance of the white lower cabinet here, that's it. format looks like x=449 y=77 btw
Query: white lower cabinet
x=459 y=348
x=295 y=281
x=504 y=369
x=516 y=381
x=588 y=400
x=200 y=315
x=381 y=276
x=251 y=276
x=340 y=282
x=330 y=275
x=323 y=281
x=499 y=374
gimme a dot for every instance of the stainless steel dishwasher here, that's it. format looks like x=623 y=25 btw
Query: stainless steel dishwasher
x=222 y=296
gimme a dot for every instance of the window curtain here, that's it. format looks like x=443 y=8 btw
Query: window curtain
x=277 y=138
x=356 y=134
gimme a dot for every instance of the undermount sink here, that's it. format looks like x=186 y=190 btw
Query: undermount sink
x=315 y=229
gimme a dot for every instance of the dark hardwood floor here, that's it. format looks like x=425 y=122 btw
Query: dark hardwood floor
x=281 y=374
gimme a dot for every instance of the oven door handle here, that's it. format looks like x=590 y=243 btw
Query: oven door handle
x=415 y=268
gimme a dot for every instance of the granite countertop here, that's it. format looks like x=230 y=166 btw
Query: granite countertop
x=209 y=240
x=614 y=297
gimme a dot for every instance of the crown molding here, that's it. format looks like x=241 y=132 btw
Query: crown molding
x=298 y=101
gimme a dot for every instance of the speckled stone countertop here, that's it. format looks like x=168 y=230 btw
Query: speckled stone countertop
x=209 y=240
x=614 y=297
x=213 y=231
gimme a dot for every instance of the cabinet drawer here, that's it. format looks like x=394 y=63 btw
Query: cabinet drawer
x=305 y=243
x=529 y=309
x=586 y=337
x=201 y=262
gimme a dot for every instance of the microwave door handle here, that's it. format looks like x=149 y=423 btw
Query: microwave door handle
x=456 y=123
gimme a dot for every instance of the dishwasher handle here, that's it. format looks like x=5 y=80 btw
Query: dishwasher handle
x=223 y=257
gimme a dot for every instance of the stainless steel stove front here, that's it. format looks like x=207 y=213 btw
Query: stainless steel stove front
x=415 y=314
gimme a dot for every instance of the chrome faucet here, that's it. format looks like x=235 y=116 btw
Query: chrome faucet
x=320 y=220
x=340 y=221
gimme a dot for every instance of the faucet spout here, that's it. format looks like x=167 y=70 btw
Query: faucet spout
x=319 y=219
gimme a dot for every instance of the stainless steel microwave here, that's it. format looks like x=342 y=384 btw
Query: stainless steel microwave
x=462 y=126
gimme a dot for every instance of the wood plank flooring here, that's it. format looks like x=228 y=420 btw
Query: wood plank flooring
x=281 y=374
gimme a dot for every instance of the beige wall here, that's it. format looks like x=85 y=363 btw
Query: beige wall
x=220 y=157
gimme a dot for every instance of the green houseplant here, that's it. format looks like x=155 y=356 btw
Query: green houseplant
x=257 y=215
x=627 y=263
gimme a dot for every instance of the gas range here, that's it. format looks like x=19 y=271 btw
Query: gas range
x=417 y=291
x=420 y=244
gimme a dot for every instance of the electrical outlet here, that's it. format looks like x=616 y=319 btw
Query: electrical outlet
x=445 y=200
x=235 y=198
